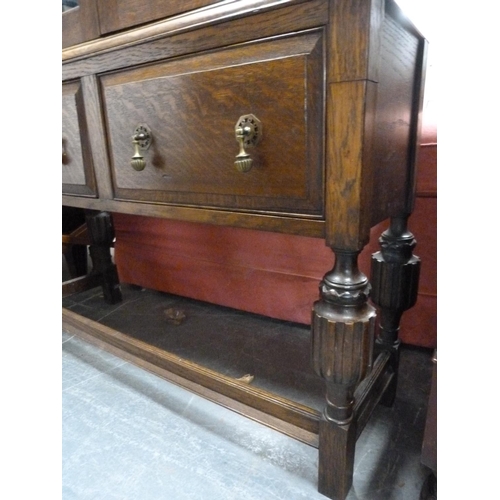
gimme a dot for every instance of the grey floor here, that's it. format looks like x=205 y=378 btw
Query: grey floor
x=128 y=434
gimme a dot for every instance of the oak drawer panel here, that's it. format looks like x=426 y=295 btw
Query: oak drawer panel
x=77 y=171
x=192 y=106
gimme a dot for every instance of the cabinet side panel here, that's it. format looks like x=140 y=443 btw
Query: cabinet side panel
x=395 y=131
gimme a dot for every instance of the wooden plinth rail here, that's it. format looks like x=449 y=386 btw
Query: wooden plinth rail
x=295 y=420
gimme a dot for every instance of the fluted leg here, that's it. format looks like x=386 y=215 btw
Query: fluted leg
x=101 y=231
x=394 y=278
x=342 y=344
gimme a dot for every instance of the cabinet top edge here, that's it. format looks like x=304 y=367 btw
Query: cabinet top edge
x=224 y=10
x=393 y=9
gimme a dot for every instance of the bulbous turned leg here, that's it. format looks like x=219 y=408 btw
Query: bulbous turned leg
x=394 y=278
x=342 y=346
x=101 y=232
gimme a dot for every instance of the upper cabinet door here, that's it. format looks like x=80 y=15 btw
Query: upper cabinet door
x=84 y=20
x=115 y=15
x=80 y=22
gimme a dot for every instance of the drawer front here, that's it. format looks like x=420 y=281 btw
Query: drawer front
x=191 y=106
x=77 y=172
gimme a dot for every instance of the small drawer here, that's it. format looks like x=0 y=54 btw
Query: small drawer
x=191 y=107
x=77 y=170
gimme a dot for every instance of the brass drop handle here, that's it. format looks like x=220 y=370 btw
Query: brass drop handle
x=137 y=162
x=141 y=141
x=248 y=132
x=243 y=160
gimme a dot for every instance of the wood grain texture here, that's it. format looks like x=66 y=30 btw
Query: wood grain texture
x=235 y=22
x=394 y=277
x=354 y=34
x=191 y=159
x=80 y=24
x=115 y=15
x=77 y=161
x=417 y=126
x=336 y=459
x=283 y=409
x=264 y=222
x=349 y=169
x=97 y=139
x=73 y=171
x=396 y=131
x=370 y=391
x=370 y=167
x=342 y=346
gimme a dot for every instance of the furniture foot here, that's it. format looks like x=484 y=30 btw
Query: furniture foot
x=342 y=346
x=394 y=278
x=101 y=232
x=336 y=458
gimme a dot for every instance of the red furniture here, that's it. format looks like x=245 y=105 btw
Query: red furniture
x=166 y=255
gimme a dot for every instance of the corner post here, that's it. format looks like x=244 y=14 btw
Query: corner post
x=342 y=346
x=394 y=276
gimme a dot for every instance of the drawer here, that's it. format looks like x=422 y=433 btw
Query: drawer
x=77 y=171
x=191 y=106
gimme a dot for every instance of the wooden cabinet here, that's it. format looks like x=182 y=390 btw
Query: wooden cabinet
x=300 y=117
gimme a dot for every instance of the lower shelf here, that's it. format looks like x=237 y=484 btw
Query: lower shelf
x=209 y=352
x=254 y=365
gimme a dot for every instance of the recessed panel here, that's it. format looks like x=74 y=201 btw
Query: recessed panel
x=77 y=170
x=191 y=107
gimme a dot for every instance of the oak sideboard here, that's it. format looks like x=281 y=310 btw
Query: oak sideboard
x=291 y=116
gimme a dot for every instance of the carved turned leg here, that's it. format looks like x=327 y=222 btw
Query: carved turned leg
x=342 y=343
x=394 y=278
x=101 y=232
